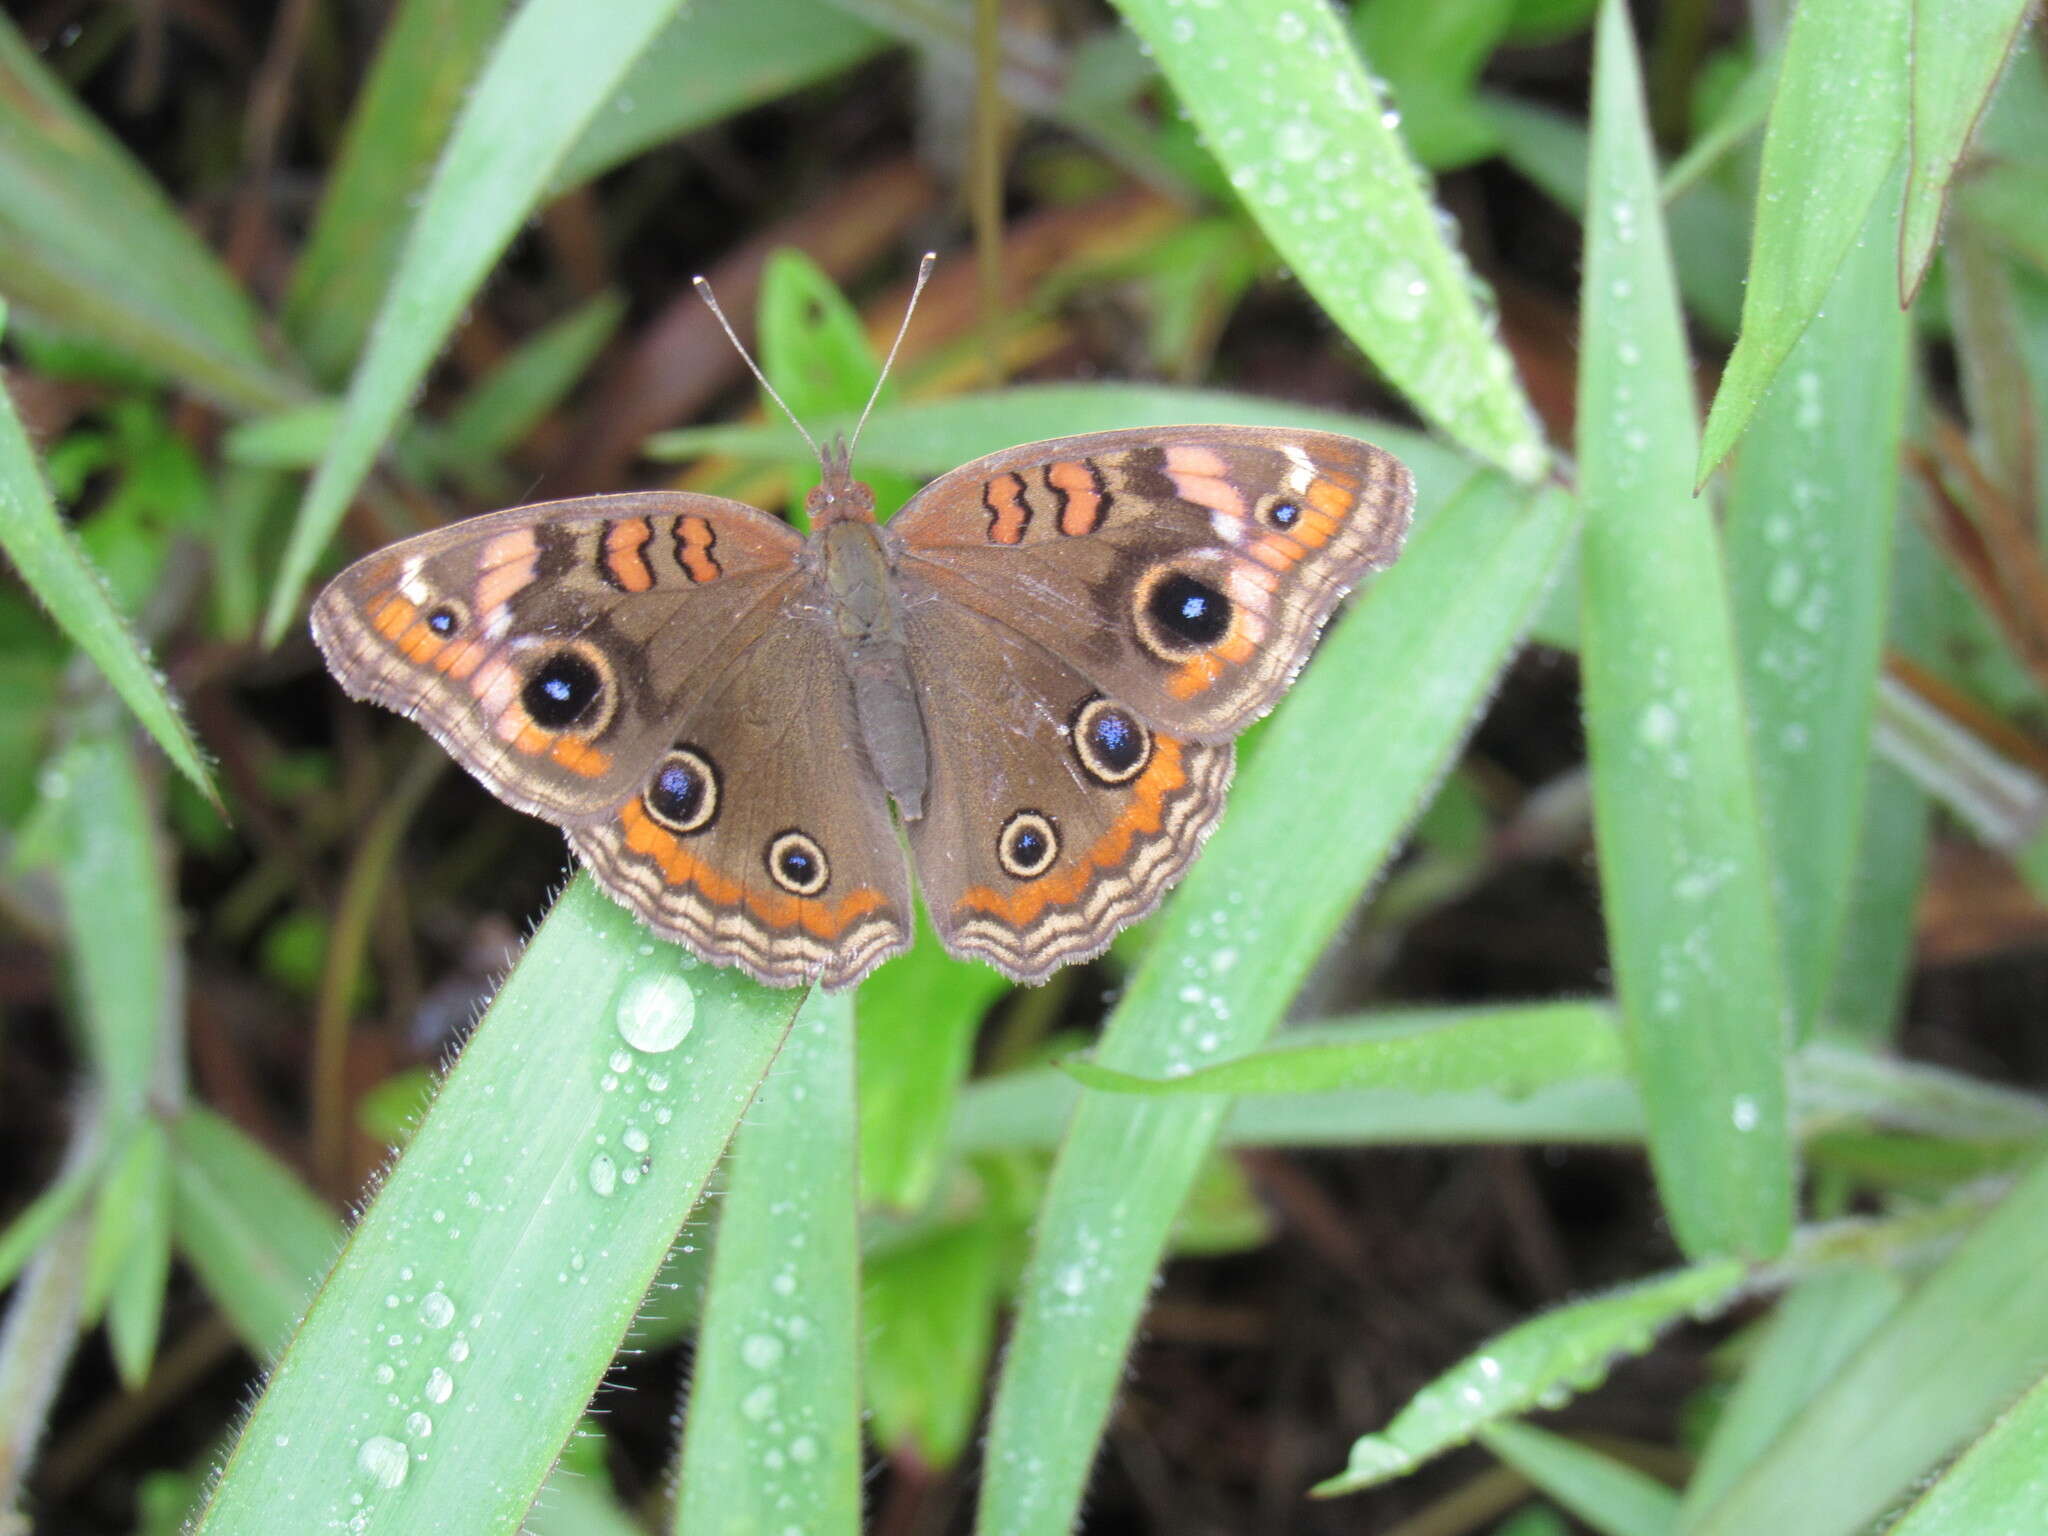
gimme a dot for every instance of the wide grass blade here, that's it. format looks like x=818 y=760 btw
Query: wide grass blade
x=1958 y=48
x=452 y=1350
x=505 y=405
x=1835 y=134
x=1613 y=1499
x=1510 y=1050
x=771 y=1434
x=88 y=242
x=717 y=58
x=1539 y=1363
x=430 y=53
x=53 y=566
x=1963 y=1345
x=1683 y=876
x=258 y=1239
x=1288 y=108
x=119 y=926
x=1996 y=1486
x=1811 y=1332
x=555 y=65
x=919 y=1015
x=1809 y=546
x=1290 y=859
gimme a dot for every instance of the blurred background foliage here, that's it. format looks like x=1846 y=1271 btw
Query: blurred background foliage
x=1656 y=1047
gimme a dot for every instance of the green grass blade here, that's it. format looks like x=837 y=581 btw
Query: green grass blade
x=1997 y=1484
x=1837 y=1082
x=430 y=52
x=504 y=406
x=551 y=70
x=1742 y=115
x=1962 y=1346
x=931 y=1325
x=53 y=566
x=1535 y=1364
x=1835 y=134
x=1809 y=544
x=1683 y=877
x=452 y=1350
x=258 y=1239
x=717 y=58
x=23 y=1237
x=1288 y=108
x=1812 y=1331
x=771 y=1438
x=89 y=242
x=1614 y=1499
x=1958 y=49
x=1511 y=1050
x=119 y=926
x=1233 y=948
x=919 y=1015
x=1029 y=1111
x=135 y=1299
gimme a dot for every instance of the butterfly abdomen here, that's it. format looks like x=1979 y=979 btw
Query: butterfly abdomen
x=867 y=619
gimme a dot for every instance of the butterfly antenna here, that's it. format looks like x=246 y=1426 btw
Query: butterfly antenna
x=747 y=357
x=924 y=272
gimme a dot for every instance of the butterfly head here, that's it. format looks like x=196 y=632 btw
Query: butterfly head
x=838 y=497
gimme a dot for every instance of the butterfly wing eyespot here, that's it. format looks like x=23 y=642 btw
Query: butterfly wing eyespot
x=796 y=862
x=570 y=688
x=683 y=792
x=1109 y=742
x=1027 y=845
x=1177 y=612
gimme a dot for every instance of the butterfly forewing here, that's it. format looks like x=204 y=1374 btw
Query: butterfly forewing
x=1184 y=570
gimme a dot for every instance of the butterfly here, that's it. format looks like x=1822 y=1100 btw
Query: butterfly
x=1040 y=662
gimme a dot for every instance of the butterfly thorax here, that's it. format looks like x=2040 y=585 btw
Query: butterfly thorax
x=854 y=567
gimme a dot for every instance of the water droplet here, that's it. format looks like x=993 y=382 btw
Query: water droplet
x=1745 y=1113
x=436 y=1310
x=384 y=1460
x=759 y=1403
x=458 y=1350
x=418 y=1425
x=656 y=1013
x=440 y=1385
x=604 y=1174
x=762 y=1351
x=803 y=1450
x=1659 y=725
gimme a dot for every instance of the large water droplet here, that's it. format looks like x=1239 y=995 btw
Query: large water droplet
x=656 y=1013
x=436 y=1310
x=385 y=1460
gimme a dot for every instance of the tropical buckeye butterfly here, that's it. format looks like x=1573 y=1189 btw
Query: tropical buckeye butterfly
x=1041 y=660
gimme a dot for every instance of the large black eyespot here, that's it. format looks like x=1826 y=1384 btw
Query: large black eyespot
x=683 y=793
x=1109 y=743
x=1180 y=613
x=1027 y=845
x=797 y=863
x=445 y=619
x=564 y=689
x=1282 y=513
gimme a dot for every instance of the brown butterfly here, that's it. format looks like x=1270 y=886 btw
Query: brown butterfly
x=1041 y=660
